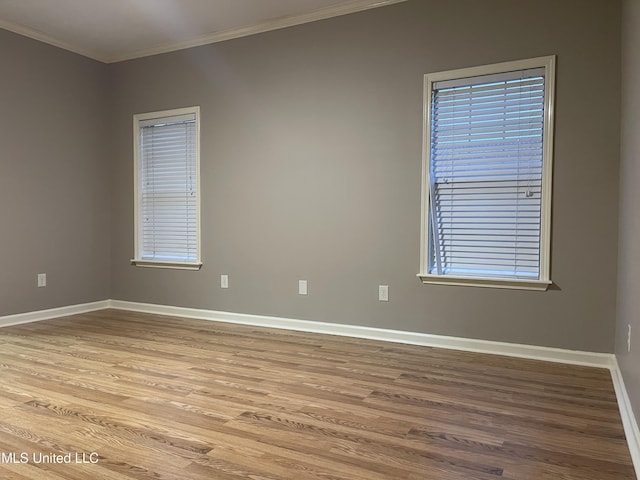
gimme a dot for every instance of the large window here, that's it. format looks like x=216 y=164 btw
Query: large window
x=487 y=162
x=167 y=209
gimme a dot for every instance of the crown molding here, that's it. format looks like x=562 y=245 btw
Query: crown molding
x=41 y=37
x=276 y=24
x=221 y=36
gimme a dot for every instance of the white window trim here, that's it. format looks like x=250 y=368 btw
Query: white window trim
x=137 y=164
x=549 y=63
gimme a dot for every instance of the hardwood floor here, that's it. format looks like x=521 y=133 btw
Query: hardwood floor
x=166 y=398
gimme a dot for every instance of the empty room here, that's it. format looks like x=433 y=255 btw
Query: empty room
x=319 y=239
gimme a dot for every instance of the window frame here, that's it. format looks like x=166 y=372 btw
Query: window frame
x=549 y=64
x=138 y=259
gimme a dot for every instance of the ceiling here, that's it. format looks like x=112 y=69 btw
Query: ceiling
x=116 y=30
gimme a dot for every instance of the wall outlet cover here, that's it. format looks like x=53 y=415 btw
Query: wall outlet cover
x=383 y=293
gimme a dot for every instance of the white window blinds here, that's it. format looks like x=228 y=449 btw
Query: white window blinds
x=486 y=175
x=168 y=223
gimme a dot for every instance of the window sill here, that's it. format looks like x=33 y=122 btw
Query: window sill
x=539 y=285
x=171 y=265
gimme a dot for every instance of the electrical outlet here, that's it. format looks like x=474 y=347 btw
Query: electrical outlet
x=629 y=338
x=224 y=281
x=302 y=287
x=383 y=293
x=42 y=280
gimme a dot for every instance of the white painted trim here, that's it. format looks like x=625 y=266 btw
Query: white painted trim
x=269 y=25
x=547 y=165
x=558 y=355
x=40 y=315
x=517 y=284
x=549 y=65
x=629 y=422
x=602 y=360
x=137 y=260
x=41 y=37
x=275 y=24
x=169 y=265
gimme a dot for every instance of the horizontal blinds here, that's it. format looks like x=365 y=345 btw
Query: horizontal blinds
x=486 y=176
x=168 y=197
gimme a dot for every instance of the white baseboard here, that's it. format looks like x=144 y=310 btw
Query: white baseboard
x=48 y=314
x=558 y=355
x=602 y=360
x=626 y=412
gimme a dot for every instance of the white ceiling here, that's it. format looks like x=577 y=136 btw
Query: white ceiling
x=115 y=30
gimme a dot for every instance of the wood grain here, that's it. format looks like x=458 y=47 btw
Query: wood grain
x=168 y=398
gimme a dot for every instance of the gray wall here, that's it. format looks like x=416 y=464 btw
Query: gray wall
x=54 y=189
x=629 y=233
x=311 y=144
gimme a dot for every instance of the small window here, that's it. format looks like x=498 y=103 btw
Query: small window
x=487 y=162
x=166 y=175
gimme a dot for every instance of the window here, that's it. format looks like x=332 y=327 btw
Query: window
x=166 y=175
x=487 y=162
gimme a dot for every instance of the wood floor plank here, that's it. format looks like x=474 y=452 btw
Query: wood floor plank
x=159 y=397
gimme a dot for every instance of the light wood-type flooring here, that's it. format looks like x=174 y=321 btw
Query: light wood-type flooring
x=155 y=397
